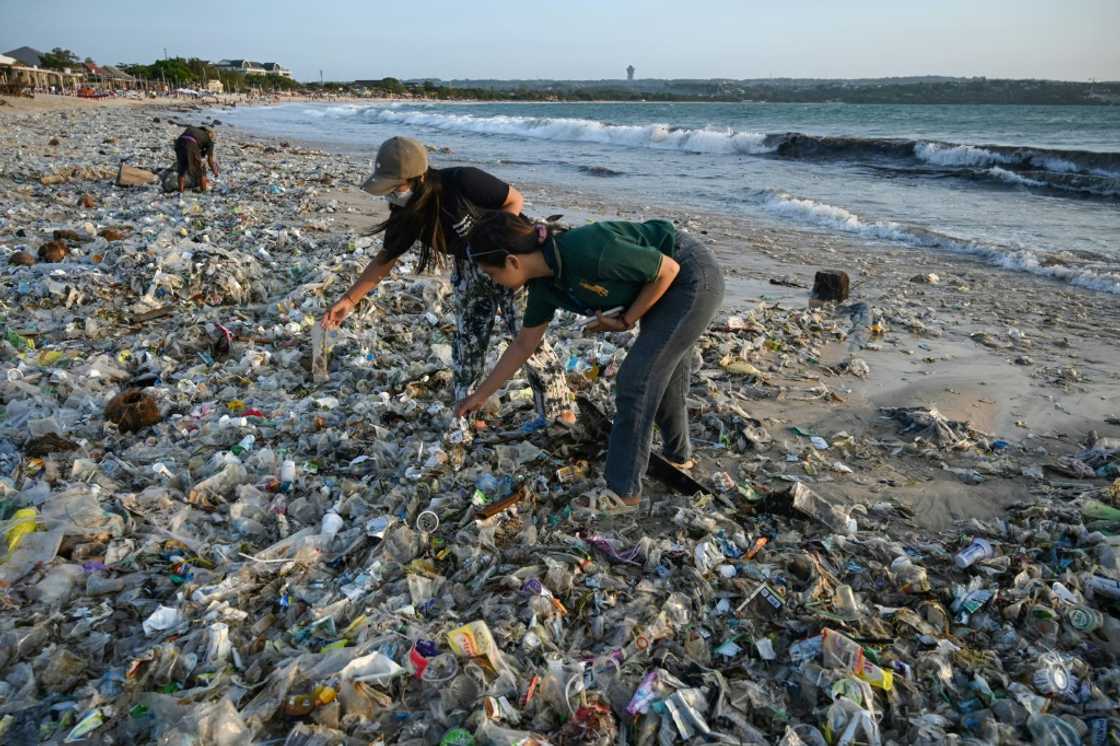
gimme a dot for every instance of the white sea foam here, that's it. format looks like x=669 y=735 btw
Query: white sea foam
x=956 y=156
x=837 y=218
x=830 y=216
x=657 y=136
x=940 y=154
x=332 y=112
x=1050 y=163
x=1013 y=178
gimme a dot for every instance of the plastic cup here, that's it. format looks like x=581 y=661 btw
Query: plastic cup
x=979 y=549
x=1084 y=619
x=427 y=522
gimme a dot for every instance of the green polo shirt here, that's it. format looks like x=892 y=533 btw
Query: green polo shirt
x=599 y=267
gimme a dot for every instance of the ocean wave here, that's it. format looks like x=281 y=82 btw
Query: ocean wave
x=823 y=215
x=944 y=154
x=656 y=136
x=1062 y=166
x=1021 y=167
x=947 y=156
x=1013 y=178
x=327 y=112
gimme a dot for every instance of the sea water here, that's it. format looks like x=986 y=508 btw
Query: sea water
x=1031 y=188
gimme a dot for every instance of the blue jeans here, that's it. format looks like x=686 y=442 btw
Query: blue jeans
x=654 y=379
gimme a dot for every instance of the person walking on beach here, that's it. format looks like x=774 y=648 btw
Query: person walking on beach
x=438 y=208
x=622 y=273
x=190 y=146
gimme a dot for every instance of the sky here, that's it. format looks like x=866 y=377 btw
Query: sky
x=592 y=39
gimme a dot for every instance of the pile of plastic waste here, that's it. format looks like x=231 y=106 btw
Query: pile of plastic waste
x=214 y=533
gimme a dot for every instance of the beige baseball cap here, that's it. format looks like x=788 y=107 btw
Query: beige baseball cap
x=398 y=159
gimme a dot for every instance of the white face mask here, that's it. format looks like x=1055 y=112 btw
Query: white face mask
x=399 y=199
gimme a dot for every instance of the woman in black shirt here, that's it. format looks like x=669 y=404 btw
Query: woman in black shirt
x=438 y=208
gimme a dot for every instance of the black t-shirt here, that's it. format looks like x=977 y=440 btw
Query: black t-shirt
x=205 y=144
x=465 y=190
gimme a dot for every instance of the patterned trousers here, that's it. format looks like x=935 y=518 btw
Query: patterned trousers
x=478 y=301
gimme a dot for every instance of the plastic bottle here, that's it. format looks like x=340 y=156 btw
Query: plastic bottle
x=979 y=549
x=244 y=445
x=330 y=526
x=223 y=481
x=287 y=475
x=1102 y=586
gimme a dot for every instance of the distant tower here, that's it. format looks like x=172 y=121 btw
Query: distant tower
x=629 y=72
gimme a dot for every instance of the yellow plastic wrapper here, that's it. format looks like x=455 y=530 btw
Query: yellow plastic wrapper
x=474 y=640
x=877 y=677
x=23 y=523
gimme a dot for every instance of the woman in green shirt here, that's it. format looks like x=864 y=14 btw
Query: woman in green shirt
x=666 y=280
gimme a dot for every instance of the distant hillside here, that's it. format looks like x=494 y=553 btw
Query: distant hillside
x=904 y=90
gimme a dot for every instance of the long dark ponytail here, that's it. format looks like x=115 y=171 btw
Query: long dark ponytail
x=419 y=220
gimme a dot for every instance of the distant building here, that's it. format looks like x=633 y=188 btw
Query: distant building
x=21 y=69
x=214 y=86
x=93 y=70
x=26 y=56
x=109 y=77
x=245 y=67
x=629 y=72
x=248 y=67
x=275 y=68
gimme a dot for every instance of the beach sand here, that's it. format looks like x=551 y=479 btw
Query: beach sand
x=1023 y=358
